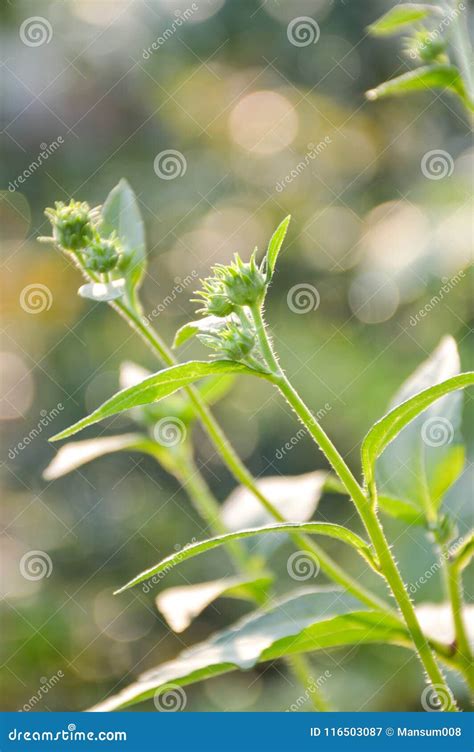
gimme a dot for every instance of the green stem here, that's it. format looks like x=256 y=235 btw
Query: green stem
x=302 y=672
x=366 y=512
x=240 y=472
x=453 y=585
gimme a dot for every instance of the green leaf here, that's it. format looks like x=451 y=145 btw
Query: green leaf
x=206 y=325
x=156 y=387
x=410 y=467
x=296 y=497
x=121 y=214
x=312 y=619
x=462 y=555
x=102 y=292
x=181 y=605
x=402 y=15
x=401 y=509
x=78 y=453
x=311 y=528
x=425 y=78
x=274 y=246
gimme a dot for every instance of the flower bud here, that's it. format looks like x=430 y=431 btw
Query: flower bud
x=231 y=342
x=102 y=255
x=73 y=224
x=243 y=283
x=214 y=299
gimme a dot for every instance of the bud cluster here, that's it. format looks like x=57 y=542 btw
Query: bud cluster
x=226 y=295
x=426 y=46
x=75 y=231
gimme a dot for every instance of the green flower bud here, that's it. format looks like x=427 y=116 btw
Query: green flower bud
x=73 y=224
x=243 y=282
x=426 y=46
x=231 y=342
x=214 y=298
x=103 y=254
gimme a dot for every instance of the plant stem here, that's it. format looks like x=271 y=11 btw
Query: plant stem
x=366 y=512
x=240 y=472
x=302 y=672
x=454 y=589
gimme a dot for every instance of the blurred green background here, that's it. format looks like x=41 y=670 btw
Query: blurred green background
x=370 y=232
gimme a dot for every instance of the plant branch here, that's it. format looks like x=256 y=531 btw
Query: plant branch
x=367 y=513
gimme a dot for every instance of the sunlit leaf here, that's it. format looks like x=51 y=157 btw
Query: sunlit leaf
x=296 y=497
x=181 y=605
x=310 y=528
x=425 y=78
x=121 y=214
x=310 y=620
x=402 y=15
x=205 y=325
x=102 y=292
x=157 y=387
x=274 y=246
x=407 y=469
x=401 y=509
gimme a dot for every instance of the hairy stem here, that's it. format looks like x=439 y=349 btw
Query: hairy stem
x=453 y=585
x=366 y=512
x=302 y=672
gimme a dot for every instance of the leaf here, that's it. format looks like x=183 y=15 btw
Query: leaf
x=121 y=214
x=274 y=246
x=155 y=388
x=181 y=605
x=78 y=453
x=423 y=79
x=313 y=619
x=206 y=325
x=462 y=555
x=295 y=496
x=398 y=472
x=102 y=292
x=436 y=621
x=402 y=510
x=400 y=16
x=311 y=528
x=214 y=389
